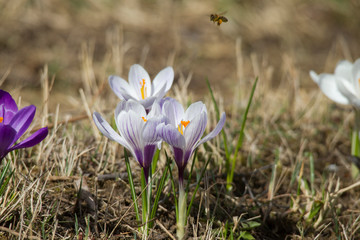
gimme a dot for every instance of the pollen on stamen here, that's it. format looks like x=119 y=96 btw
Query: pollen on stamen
x=144 y=119
x=143 y=89
x=185 y=123
x=1 y=119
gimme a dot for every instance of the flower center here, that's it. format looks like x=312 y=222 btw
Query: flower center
x=1 y=119
x=144 y=119
x=143 y=89
x=183 y=125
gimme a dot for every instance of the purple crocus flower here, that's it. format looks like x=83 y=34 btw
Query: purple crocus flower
x=14 y=123
x=185 y=129
x=137 y=130
x=140 y=88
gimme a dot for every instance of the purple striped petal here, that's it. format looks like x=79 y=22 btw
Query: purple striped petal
x=173 y=110
x=7 y=136
x=171 y=135
x=108 y=131
x=22 y=120
x=130 y=126
x=215 y=131
x=194 y=131
x=136 y=76
x=8 y=107
x=122 y=88
x=34 y=139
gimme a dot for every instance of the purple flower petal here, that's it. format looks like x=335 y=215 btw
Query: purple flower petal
x=133 y=105
x=171 y=135
x=8 y=107
x=136 y=76
x=34 y=139
x=122 y=88
x=215 y=131
x=164 y=78
x=179 y=157
x=7 y=136
x=22 y=120
x=149 y=151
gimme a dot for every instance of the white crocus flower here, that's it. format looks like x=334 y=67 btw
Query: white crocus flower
x=140 y=88
x=342 y=86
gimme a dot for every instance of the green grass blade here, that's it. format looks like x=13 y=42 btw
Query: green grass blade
x=143 y=196
x=3 y=180
x=131 y=182
x=155 y=160
x=312 y=174
x=197 y=187
x=168 y=160
x=227 y=154
x=230 y=175
x=158 y=193
x=190 y=173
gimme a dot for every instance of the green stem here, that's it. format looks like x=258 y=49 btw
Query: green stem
x=182 y=212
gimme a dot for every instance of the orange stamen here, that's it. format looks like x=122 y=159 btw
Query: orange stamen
x=144 y=119
x=143 y=89
x=182 y=126
x=185 y=123
x=1 y=119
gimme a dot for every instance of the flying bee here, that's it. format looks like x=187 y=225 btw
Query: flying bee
x=218 y=18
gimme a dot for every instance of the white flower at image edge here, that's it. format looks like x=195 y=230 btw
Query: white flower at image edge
x=342 y=86
x=140 y=88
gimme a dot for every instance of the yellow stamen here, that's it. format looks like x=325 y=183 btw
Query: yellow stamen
x=143 y=89
x=1 y=119
x=182 y=126
x=144 y=119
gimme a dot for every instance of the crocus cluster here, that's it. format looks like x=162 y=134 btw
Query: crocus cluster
x=14 y=123
x=144 y=119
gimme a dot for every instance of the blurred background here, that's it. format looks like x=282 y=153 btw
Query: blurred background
x=84 y=42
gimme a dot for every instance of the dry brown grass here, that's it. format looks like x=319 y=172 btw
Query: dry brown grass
x=58 y=55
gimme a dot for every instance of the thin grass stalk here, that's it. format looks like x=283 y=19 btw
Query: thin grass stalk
x=173 y=187
x=355 y=143
x=197 y=187
x=230 y=175
x=158 y=194
x=131 y=183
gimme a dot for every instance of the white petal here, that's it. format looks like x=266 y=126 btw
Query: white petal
x=136 y=76
x=356 y=76
x=164 y=78
x=343 y=69
x=126 y=106
x=348 y=90
x=214 y=132
x=107 y=130
x=328 y=85
x=122 y=88
x=147 y=102
x=194 y=110
x=314 y=76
